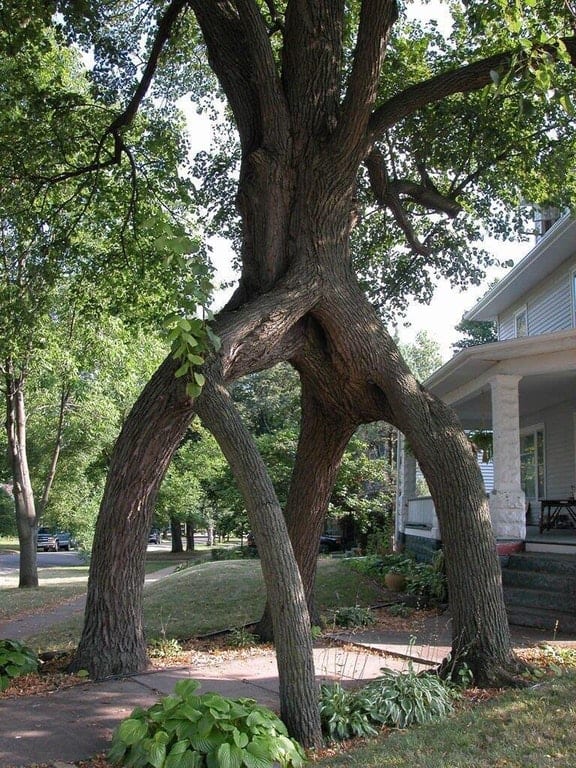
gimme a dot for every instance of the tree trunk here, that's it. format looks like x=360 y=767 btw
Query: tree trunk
x=176 y=530
x=26 y=521
x=189 y=536
x=113 y=641
x=324 y=436
x=298 y=690
x=49 y=481
x=480 y=634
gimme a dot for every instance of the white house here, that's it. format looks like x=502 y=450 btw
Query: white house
x=523 y=389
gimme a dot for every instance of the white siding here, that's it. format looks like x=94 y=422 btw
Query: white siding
x=549 y=306
x=552 y=310
x=506 y=327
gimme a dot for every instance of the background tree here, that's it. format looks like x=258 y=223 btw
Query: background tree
x=68 y=260
x=474 y=332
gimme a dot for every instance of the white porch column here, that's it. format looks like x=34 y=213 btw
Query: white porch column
x=406 y=488
x=507 y=502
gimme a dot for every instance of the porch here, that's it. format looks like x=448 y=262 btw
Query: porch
x=421 y=533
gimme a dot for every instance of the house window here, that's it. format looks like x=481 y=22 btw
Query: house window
x=532 y=462
x=521 y=323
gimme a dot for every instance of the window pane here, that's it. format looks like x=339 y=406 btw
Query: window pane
x=521 y=324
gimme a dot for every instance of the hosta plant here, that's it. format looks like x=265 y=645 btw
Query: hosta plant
x=15 y=659
x=396 y=699
x=187 y=730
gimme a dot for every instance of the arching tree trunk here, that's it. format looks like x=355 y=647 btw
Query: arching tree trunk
x=480 y=633
x=323 y=440
x=113 y=641
x=298 y=691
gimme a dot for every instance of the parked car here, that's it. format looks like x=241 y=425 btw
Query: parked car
x=330 y=543
x=327 y=543
x=47 y=540
x=155 y=537
x=65 y=540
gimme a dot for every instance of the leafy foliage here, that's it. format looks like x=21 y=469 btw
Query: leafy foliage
x=426 y=581
x=16 y=659
x=187 y=730
x=396 y=699
x=353 y=616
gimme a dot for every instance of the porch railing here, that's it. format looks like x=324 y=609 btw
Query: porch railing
x=421 y=513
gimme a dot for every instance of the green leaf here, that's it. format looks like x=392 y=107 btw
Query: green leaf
x=199 y=379
x=186 y=688
x=183 y=370
x=131 y=731
x=230 y=756
x=156 y=754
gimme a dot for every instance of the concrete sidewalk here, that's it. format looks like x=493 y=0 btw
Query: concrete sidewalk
x=77 y=723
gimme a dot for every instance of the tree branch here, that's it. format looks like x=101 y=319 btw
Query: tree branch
x=386 y=195
x=377 y=18
x=466 y=79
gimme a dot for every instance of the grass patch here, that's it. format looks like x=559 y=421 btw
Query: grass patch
x=57 y=585
x=219 y=595
x=529 y=728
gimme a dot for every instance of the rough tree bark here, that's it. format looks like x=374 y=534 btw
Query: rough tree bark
x=306 y=121
x=26 y=519
x=298 y=692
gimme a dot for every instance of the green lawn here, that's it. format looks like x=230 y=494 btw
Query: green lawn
x=219 y=595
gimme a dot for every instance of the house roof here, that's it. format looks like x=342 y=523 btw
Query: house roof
x=554 y=248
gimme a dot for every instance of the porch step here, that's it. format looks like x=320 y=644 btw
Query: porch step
x=558 y=584
x=542 y=562
x=541 y=599
x=540 y=590
x=555 y=622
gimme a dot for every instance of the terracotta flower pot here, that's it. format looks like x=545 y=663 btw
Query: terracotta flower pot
x=395 y=582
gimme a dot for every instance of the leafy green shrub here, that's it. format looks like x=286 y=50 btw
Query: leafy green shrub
x=186 y=730
x=343 y=713
x=400 y=609
x=401 y=699
x=241 y=638
x=397 y=699
x=16 y=659
x=354 y=616
x=428 y=581
x=378 y=565
x=164 y=648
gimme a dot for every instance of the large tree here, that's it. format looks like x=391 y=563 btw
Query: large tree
x=344 y=116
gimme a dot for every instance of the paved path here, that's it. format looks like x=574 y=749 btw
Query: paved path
x=35 y=623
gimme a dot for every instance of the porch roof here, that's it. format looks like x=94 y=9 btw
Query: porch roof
x=546 y=363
